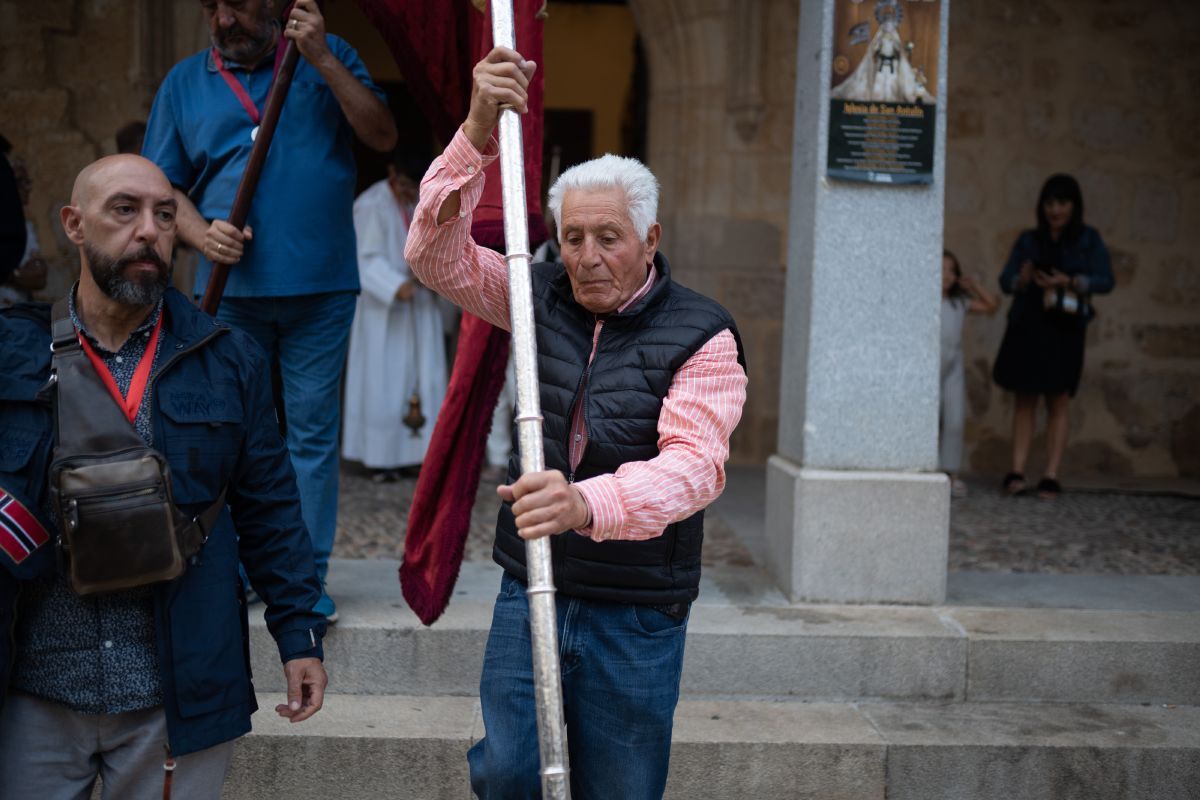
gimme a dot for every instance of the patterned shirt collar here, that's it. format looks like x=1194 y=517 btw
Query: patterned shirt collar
x=143 y=329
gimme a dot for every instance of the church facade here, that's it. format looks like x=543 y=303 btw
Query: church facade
x=1102 y=90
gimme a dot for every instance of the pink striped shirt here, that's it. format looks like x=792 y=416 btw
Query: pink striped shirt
x=699 y=413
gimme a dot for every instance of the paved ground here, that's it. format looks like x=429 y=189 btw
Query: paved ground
x=372 y=518
x=1092 y=532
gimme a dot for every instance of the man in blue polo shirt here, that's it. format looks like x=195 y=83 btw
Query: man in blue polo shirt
x=294 y=284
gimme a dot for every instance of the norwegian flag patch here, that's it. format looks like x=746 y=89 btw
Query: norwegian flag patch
x=20 y=532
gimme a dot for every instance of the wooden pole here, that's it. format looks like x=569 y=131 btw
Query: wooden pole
x=258 y=157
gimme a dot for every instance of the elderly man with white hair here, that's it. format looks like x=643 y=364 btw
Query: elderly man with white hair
x=642 y=383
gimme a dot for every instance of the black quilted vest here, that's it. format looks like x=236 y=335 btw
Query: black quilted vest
x=639 y=352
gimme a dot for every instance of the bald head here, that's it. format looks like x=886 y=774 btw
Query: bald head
x=124 y=167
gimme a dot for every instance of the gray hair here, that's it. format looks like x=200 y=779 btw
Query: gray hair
x=611 y=172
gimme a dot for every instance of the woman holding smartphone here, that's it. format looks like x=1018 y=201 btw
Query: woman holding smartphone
x=1052 y=273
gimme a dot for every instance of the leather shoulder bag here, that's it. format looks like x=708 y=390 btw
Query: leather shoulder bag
x=118 y=523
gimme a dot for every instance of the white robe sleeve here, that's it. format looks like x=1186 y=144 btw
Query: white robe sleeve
x=380 y=271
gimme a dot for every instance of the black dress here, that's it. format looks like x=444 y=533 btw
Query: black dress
x=1042 y=350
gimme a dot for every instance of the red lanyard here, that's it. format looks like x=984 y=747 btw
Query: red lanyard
x=240 y=91
x=141 y=376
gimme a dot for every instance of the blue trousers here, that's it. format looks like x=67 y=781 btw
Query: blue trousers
x=620 y=672
x=310 y=334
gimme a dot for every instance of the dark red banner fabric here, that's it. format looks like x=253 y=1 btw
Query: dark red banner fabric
x=436 y=45
x=488 y=223
x=431 y=43
x=440 y=517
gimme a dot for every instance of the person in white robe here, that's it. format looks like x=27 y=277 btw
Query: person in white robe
x=396 y=372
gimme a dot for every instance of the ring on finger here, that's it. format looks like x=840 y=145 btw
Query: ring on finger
x=220 y=248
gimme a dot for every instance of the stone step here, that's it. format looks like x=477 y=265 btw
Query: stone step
x=746 y=640
x=415 y=747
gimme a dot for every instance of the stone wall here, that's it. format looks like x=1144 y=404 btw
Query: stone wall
x=1105 y=91
x=55 y=124
x=721 y=94
x=1100 y=88
x=72 y=72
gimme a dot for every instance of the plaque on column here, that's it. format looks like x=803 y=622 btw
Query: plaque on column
x=883 y=96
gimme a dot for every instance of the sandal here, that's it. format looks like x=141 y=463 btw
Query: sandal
x=1049 y=488
x=1013 y=484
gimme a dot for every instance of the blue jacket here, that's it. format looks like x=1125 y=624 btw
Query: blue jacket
x=1085 y=256
x=214 y=420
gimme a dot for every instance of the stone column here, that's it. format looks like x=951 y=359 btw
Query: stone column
x=856 y=511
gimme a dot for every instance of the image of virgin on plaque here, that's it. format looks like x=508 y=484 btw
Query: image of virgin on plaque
x=886 y=72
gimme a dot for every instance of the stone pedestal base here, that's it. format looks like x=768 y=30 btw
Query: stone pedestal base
x=857 y=536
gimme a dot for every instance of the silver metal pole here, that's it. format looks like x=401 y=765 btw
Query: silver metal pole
x=543 y=624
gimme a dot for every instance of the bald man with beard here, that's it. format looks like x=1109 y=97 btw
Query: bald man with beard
x=126 y=683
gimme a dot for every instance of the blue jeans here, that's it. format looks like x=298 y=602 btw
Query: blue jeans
x=309 y=333
x=620 y=671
